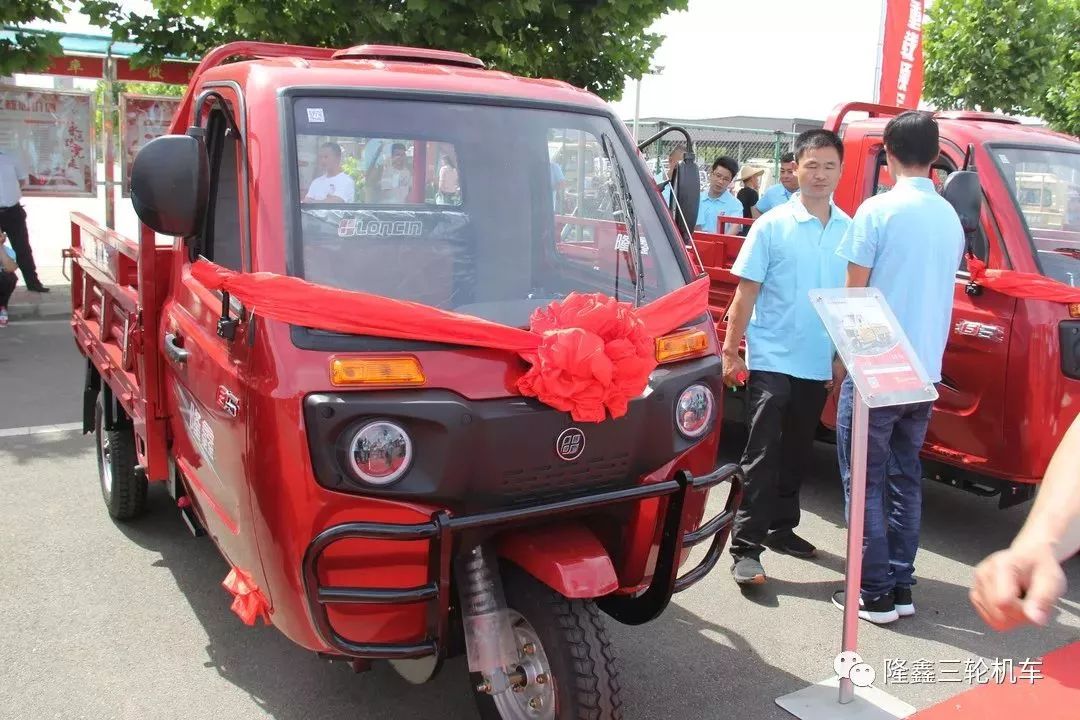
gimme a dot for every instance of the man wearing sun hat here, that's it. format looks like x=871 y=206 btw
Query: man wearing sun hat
x=750 y=177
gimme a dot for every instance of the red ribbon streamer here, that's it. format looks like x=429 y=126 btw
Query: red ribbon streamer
x=248 y=601
x=1016 y=284
x=588 y=354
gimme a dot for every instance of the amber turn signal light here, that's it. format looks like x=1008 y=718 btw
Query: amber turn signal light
x=1074 y=310
x=376 y=371
x=681 y=345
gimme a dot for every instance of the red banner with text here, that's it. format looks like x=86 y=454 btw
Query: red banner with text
x=902 y=54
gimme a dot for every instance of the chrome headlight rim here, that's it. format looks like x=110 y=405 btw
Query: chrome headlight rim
x=367 y=478
x=710 y=399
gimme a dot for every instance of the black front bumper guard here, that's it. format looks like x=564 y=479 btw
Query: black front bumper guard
x=640 y=608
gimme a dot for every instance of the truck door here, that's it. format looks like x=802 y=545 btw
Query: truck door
x=207 y=393
x=968 y=423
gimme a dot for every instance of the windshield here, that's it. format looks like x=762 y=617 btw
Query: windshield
x=484 y=210
x=1046 y=186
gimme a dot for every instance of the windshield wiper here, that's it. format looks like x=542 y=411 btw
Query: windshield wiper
x=629 y=218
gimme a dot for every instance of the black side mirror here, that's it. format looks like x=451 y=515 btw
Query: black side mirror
x=963 y=192
x=170 y=183
x=686 y=188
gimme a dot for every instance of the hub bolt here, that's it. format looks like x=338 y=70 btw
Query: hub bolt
x=536 y=703
x=529 y=649
x=541 y=678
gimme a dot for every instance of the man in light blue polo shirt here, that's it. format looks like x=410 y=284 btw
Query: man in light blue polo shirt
x=717 y=200
x=781 y=192
x=788 y=253
x=907 y=243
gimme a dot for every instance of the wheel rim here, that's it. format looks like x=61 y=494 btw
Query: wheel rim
x=106 y=461
x=535 y=700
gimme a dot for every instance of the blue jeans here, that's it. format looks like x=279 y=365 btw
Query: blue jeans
x=893 y=489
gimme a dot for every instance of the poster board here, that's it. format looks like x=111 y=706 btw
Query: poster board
x=52 y=134
x=873 y=347
x=143 y=118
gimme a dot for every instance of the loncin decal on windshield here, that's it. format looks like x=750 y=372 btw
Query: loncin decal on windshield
x=359 y=227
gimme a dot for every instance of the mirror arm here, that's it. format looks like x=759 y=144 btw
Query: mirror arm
x=226 y=326
x=673 y=128
x=220 y=99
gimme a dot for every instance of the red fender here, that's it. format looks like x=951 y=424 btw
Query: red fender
x=567 y=557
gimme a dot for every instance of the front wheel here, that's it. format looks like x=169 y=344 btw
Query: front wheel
x=564 y=656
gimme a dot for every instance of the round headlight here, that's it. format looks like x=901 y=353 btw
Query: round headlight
x=694 y=411
x=380 y=453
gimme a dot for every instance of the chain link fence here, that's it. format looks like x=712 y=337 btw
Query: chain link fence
x=759 y=148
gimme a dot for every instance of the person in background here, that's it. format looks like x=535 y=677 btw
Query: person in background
x=780 y=193
x=674 y=158
x=395 y=178
x=13 y=178
x=750 y=178
x=788 y=253
x=907 y=243
x=1021 y=583
x=558 y=187
x=717 y=200
x=334 y=185
x=8 y=278
x=449 y=183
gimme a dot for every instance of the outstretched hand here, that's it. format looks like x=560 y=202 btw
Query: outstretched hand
x=1017 y=586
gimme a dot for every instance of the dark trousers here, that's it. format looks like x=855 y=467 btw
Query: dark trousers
x=7 y=286
x=783 y=414
x=893 y=489
x=13 y=223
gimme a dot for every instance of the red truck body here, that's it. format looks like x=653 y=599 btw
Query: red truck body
x=231 y=425
x=1011 y=384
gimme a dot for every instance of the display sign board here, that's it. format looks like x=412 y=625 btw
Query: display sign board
x=872 y=345
x=143 y=118
x=52 y=134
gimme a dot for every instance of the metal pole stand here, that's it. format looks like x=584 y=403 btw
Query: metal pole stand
x=837 y=698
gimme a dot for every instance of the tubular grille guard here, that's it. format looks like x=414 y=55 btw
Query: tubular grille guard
x=439 y=533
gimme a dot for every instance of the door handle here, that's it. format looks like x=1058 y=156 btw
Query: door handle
x=176 y=353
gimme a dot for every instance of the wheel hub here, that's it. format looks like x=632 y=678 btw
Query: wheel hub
x=532 y=696
x=106 y=461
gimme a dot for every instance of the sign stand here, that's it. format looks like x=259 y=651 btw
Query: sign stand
x=885 y=372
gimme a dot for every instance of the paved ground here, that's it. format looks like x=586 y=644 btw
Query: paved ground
x=100 y=620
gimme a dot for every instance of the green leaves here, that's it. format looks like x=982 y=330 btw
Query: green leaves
x=1012 y=56
x=591 y=45
x=31 y=50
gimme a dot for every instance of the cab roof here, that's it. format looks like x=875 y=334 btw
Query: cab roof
x=974 y=127
x=399 y=68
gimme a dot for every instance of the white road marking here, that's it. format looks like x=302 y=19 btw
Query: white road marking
x=40 y=429
x=14 y=324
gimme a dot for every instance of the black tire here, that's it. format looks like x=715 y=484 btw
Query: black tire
x=582 y=663
x=122 y=486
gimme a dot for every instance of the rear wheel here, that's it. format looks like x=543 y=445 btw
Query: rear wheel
x=122 y=486
x=564 y=656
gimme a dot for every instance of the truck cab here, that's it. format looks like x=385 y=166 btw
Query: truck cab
x=1011 y=370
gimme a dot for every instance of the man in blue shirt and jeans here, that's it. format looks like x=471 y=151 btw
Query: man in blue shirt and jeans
x=907 y=243
x=789 y=252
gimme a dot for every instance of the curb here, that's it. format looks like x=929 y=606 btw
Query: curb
x=25 y=305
